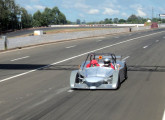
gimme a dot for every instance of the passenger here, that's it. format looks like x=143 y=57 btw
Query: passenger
x=92 y=63
x=107 y=63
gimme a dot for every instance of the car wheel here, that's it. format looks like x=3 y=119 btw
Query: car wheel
x=77 y=79
x=118 y=83
x=126 y=75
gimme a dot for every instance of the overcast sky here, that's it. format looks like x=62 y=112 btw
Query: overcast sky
x=96 y=10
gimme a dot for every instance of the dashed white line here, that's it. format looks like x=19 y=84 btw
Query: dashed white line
x=126 y=58
x=116 y=37
x=70 y=91
x=99 y=40
x=71 y=46
x=3 y=80
x=100 y=37
x=95 y=38
x=163 y=116
x=157 y=41
x=19 y=58
x=145 y=46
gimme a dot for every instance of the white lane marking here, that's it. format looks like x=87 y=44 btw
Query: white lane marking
x=70 y=91
x=20 y=58
x=99 y=40
x=145 y=46
x=116 y=37
x=6 y=79
x=95 y=38
x=125 y=58
x=157 y=41
x=71 y=46
x=100 y=37
x=163 y=118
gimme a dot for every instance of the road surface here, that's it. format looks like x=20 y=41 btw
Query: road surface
x=34 y=82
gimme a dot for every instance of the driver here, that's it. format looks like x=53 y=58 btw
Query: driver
x=107 y=63
x=92 y=63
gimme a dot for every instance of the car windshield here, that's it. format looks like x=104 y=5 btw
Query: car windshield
x=98 y=71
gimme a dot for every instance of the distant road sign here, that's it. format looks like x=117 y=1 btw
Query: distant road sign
x=162 y=15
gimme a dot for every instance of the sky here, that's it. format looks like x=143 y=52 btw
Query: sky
x=97 y=10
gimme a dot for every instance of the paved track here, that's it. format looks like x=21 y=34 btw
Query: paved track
x=44 y=94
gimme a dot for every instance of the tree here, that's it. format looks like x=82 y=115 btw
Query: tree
x=163 y=20
x=9 y=12
x=47 y=17
x=13 y=17
x=55 y=15
x=62 y=18
x=132 y=19
x=116 y=20
x=37 y=19
x=78 y=21
x=122 y=21
x=1 y=14
x=26 y=19
x=69 y=22
x=108 y=21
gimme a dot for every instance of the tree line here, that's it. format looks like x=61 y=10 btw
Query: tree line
x=12 y=17
x=132 y=19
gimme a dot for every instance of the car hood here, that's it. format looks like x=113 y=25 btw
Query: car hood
x=98 y=72
x=94 y=79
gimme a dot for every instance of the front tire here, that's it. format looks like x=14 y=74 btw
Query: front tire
x=77 y=79
x=118 y=83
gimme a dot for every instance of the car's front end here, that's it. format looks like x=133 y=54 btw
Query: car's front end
x=97 y=78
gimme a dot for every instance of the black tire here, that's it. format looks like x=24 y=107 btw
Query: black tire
x=77 y=79
x=126 y=75
x=118 y=83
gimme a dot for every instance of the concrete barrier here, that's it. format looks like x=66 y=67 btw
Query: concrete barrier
x=34 y=40
x=2 y=46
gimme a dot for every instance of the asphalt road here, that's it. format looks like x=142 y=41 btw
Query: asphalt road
x=34 y=82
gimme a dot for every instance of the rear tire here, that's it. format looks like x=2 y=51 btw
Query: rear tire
x=126 y=75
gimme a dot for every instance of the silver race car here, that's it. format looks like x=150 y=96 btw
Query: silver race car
x=99 y=71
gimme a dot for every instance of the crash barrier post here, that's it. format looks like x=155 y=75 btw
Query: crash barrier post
x=130 y=29
x=5 y=42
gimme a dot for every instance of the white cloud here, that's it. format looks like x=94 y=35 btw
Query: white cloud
x=81 y=6
x=162 y=10
x=139 y=9
x=28 y=7
x=78 y=4
x=124 y=14
x=34 y=7
x=109 y=11
x=113 y=4
x=81 y=15
x=39 y=7
x=34 y=0
x=93 y=11
x=140 y=12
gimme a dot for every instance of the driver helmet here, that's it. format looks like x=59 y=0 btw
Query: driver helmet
x=107 y=62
